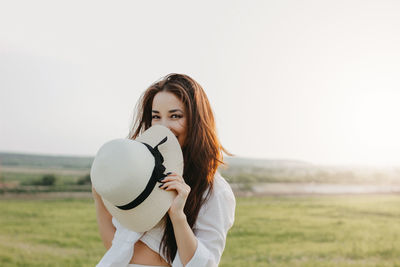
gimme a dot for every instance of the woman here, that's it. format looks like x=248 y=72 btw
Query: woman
x=200 y=216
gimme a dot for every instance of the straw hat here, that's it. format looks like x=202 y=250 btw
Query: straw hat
x=126 y=175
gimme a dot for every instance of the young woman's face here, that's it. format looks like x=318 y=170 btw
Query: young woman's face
x=169 y=111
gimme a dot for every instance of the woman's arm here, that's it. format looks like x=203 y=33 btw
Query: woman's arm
x=186 y=241
x=215 y=218
x=104 y=220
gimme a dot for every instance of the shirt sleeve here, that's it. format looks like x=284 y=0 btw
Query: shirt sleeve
x=215 y=218
x=121 y=250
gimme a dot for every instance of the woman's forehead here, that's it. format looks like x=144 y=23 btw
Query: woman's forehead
x=167 y=101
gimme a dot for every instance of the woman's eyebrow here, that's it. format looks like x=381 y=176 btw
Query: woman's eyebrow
x=171 y=111
x=174 y=110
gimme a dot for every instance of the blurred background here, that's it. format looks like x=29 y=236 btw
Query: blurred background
x=305 y=94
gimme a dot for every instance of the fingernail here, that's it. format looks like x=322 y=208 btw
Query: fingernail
x=161 y=185
x=168 y=173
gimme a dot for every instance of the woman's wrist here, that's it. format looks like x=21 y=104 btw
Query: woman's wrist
x=177 y=217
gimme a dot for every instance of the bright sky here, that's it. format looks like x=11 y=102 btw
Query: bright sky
x=308 y=80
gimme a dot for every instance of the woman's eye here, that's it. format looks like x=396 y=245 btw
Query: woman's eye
x=174 y=116
x=155 y=117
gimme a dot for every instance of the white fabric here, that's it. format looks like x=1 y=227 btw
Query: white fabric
x=140 y=265
x=215 y=218
x=121 y=250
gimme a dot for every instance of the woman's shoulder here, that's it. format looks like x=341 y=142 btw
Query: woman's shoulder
x=221 y=191
x=219 y=205
x=221 y=185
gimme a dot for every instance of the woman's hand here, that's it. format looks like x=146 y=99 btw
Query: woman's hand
x=175 y=182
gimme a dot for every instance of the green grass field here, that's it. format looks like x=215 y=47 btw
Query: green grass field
x=270 y=231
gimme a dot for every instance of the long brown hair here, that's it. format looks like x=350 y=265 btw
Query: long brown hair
x=202 y=151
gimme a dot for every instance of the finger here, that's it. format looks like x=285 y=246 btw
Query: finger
x=181 y=189
x=175 y=174
x=168 y=179
x=172 y=177
x=175 y=184
x=166 y=184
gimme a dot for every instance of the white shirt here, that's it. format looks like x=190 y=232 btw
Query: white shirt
x=215 y=218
